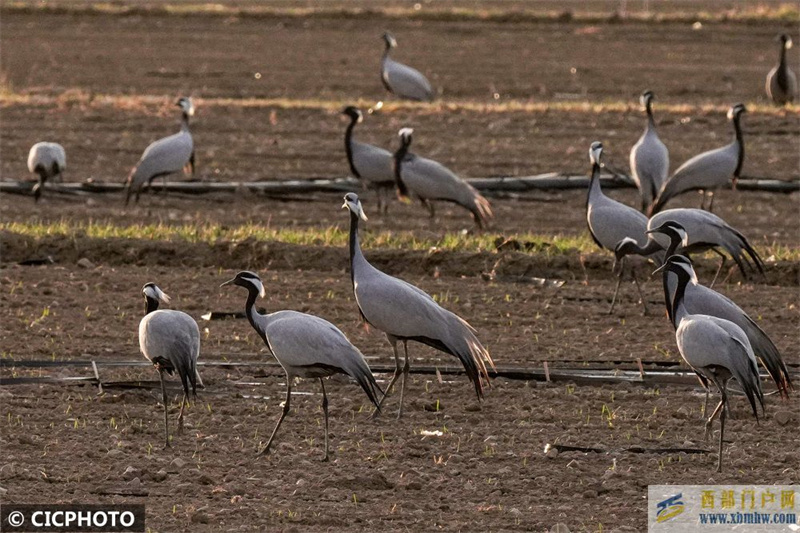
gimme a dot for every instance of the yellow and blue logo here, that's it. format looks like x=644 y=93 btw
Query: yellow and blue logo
x=669 y=508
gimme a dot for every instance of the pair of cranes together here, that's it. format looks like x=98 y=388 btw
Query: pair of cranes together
x=307 y=346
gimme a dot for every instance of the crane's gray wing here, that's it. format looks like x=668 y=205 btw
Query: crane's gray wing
x=611 y=221
x=430 y=180
x=649 y=164
x=702 y=300
x=708 y=170
x=175 y=337
x=404 y=311
x=374 y=164
x=406 y=82
x=164 y=156
x=303 y=342
x=705 y=341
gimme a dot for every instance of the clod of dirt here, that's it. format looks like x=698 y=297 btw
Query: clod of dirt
x=201 y=477
x=176 y=465
x=783 y=417
x=3 y=491
x=131 y=472
x=201 y=517
x=159 y=476
x=559 y=528
x=85 y=263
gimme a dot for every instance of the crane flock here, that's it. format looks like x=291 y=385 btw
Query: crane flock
x=715 y=337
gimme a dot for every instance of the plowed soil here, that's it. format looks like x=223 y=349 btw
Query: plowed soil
x=485 y=469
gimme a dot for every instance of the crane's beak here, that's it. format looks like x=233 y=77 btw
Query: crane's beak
x=661 y=268
x=229 y=282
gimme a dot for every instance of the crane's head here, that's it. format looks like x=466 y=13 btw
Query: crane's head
x=248 y=280
x=185 y=103
x=647 y=98
x=389 y=39
x=674 y=230
x=786 y=40
x=735 y=111
x=595 y=151
x=354 y=113
x=152 y=292
x=406 y=136
x=678 y=264
x=352 y=203
x=623 y=248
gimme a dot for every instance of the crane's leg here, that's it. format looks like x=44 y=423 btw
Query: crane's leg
x=184 y=401
x=639 y=288
x=283 y=415
x=616 y=289
x=397 y=371
x=325 y=410
x=431 y=208
x=721 y=266
x=722 y=428
x=711 y=201
x=702 y=199
x=166 y=413
x=406 y=368
x=711 y=419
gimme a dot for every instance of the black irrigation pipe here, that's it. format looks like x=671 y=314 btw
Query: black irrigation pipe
x=513 y=185
x=587 y=376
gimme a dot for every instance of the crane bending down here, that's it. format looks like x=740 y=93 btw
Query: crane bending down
x=46 y=160
x=405 y=313
x=306 y=346
x=717 y=350
x=171 y=341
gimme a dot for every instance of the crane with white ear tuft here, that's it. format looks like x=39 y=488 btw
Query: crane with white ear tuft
x=781 y=81
x=405 y=313
x=707 y=171
x=406 y=82
x=372 y=165
x=171 y=341
x=165 y=156
x=649 y=157
x=431 y=181
x=306 y=346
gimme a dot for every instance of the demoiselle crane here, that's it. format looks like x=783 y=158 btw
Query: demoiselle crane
x=373 y=165
x=306 y=346
x=405 y=313
x=707 y=171
x=164 y=156
x=47 y=160
x=781 y=81
x=649 y=157
x=171 y=341
x=430 y=181
x=702 y=300
x=402 y=80
x=691 y=231
x=611 y=222
x=717 y=350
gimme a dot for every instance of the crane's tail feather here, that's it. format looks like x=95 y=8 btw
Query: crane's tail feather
x=745 y=370
x=771 y=358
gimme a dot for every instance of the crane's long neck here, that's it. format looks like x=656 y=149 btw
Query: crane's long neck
x=782 y=61
x=678 y=311
x=150 y=305
x=185 y=121
x=674 y=242
x=256 y=319
x=356 y=256
x=739 y=140
x=594 y=185
x=632 y=247
x=348 y=146
x=651 y=122
x=399 y=155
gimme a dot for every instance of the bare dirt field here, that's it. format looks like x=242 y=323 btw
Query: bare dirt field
x=104 y=84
